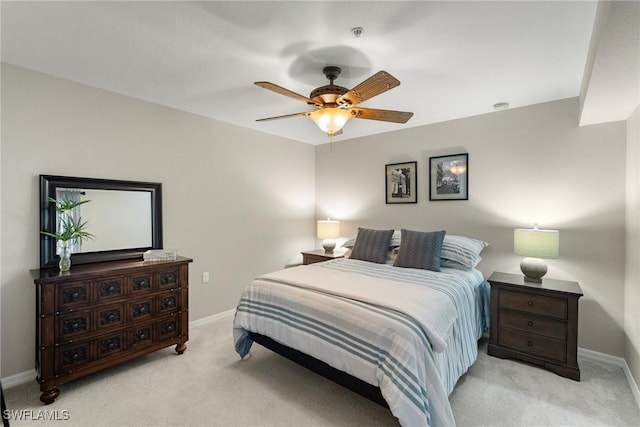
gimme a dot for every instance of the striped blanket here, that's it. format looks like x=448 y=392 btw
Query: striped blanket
x=412 y=333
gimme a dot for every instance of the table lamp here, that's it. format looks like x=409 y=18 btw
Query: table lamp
x=328 y=230
x=535 y=244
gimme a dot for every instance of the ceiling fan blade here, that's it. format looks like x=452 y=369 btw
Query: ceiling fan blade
x=382 y=115
x=374 y=85
x=286 y=116
x=286 y=92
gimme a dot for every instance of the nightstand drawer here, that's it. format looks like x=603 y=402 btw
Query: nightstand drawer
x=536 y=304
x=533 y=324
x=533 y=344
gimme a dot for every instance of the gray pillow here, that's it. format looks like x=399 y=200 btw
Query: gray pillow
x=371 y=245
x=420 y=249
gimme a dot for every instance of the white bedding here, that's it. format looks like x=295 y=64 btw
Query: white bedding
x=412 y=333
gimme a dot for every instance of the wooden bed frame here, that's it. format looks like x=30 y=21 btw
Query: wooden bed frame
x=319 y=367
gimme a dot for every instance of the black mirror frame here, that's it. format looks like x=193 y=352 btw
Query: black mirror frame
x=48 y=186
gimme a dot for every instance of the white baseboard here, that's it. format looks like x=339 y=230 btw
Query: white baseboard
x=607 y=359
x=19 y=379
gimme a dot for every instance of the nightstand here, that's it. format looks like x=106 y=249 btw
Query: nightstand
x=318 y=255
x=535 y=322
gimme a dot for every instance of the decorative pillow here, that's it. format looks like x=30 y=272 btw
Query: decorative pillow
x=395 y=240
x=371 y=245
x=461 y=252
x=420 y=249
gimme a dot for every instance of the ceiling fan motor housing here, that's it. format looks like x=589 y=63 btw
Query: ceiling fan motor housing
x=329 y=93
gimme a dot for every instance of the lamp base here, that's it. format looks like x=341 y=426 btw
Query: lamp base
x=329 y=245
x=533 y=269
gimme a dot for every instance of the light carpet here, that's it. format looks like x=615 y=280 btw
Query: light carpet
x=210 y=386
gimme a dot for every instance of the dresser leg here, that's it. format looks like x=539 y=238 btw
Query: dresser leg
x=180 y=348
x=49 y=395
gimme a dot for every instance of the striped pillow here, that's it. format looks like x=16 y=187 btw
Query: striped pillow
x=461 y=252
x=420 y=249
x=371 y=245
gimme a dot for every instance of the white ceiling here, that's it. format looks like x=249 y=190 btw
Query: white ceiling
x=454 y=59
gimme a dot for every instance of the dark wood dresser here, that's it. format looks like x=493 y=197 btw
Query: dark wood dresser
x=102 y=314
x=535 y=322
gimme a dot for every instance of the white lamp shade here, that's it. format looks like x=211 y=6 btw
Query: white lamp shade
x=536 y=243
x=328 y=229
x=330 y=120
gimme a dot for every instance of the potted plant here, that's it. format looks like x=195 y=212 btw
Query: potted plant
x=69 y=229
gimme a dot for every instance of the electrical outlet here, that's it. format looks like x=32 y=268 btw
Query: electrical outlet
x=205 y=277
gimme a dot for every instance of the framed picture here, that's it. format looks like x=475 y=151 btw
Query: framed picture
x=449 y=177
x=401 y=183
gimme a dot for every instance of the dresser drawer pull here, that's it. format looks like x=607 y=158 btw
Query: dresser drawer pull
x=530 y=303
x=530 y=323
x=529 y=343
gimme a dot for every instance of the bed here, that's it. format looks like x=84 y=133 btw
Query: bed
x=401 y=336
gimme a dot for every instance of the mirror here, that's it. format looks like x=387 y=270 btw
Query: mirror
x=125 y=218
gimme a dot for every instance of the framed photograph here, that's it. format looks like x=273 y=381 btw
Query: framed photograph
x=401 y=183
x=449 y=177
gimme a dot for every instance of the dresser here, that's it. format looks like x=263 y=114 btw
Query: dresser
x=319 y=255
x=101 y=314
x=535 y=322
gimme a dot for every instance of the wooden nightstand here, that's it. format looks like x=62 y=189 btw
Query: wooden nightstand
x=535 y=322
x=318 y=255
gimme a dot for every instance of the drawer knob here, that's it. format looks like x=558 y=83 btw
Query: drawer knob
x=530 y=344
x=530 y=303
x=530 y=323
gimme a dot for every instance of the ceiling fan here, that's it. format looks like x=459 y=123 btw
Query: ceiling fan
x=336 y=104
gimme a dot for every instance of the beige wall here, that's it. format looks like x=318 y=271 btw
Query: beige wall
x=238 y=202
x=632 y=268
x=526 y=165
x=241 y=202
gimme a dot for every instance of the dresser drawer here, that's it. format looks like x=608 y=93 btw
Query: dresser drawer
x=110 y=288
x=140 y=336
x=140 y=309
x=110 y=345
x=534 y=324
x=533 y=344
x=169 y=279
x=168 y=302
x=142 y=284
x=74 y=356
x=168 y=328
x=73 y=325
x=110 y=316
x=536 y=304
x=73 y=296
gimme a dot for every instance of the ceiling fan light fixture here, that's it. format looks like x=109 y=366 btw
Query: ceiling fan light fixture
x=330 y=120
